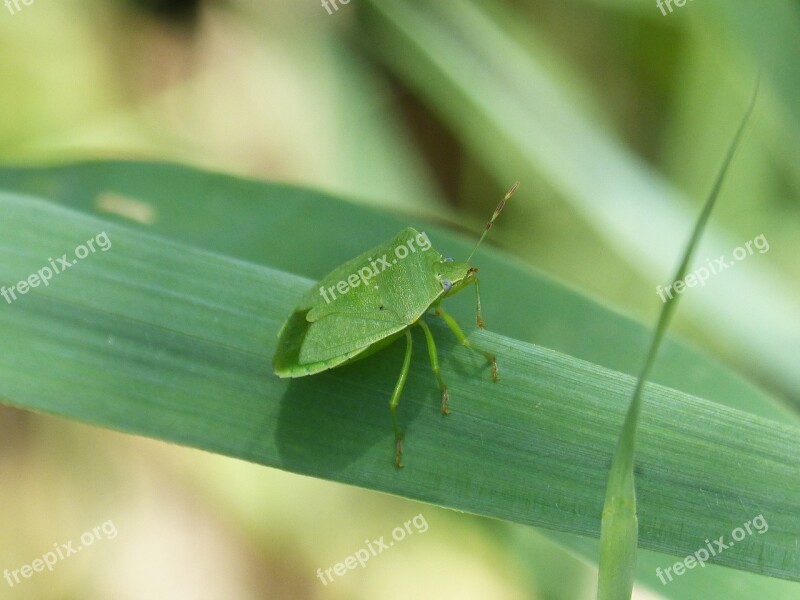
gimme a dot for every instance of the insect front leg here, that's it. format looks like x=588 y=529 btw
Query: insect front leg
x=398 y=391
x=451 y=323
x=435 y=363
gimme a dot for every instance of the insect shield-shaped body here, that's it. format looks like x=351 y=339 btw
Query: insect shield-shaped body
x=369 y=302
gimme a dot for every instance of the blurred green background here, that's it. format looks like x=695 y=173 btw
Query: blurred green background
x=613 y=116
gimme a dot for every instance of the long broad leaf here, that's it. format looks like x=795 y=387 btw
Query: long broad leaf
x=307 y=233
x=166 y=340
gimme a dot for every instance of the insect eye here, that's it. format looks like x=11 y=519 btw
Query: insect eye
x=447 y=285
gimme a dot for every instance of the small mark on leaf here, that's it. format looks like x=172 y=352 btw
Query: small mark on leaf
x=125 y=206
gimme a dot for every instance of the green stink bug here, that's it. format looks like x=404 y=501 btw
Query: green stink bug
x=367 y=303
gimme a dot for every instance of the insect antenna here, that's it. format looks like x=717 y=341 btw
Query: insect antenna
x=494 y=216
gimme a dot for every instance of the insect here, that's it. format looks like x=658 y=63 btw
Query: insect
x=371 y=301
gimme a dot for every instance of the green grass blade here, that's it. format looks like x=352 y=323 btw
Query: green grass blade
x=619 y=526
x=163 y=339
x=307 y=233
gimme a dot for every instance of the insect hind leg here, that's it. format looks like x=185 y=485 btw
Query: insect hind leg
x=451 y=323
x=395 y=400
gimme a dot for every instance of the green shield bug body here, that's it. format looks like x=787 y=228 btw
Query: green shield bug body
x=369 y=302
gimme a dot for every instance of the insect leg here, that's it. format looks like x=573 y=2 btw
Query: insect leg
x=398 y=390
x=435 y=363
x=451 y=323
x=479 y=317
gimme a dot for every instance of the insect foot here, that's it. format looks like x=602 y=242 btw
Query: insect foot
x=445 y=398
x=398 y=451
x=493 y=362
